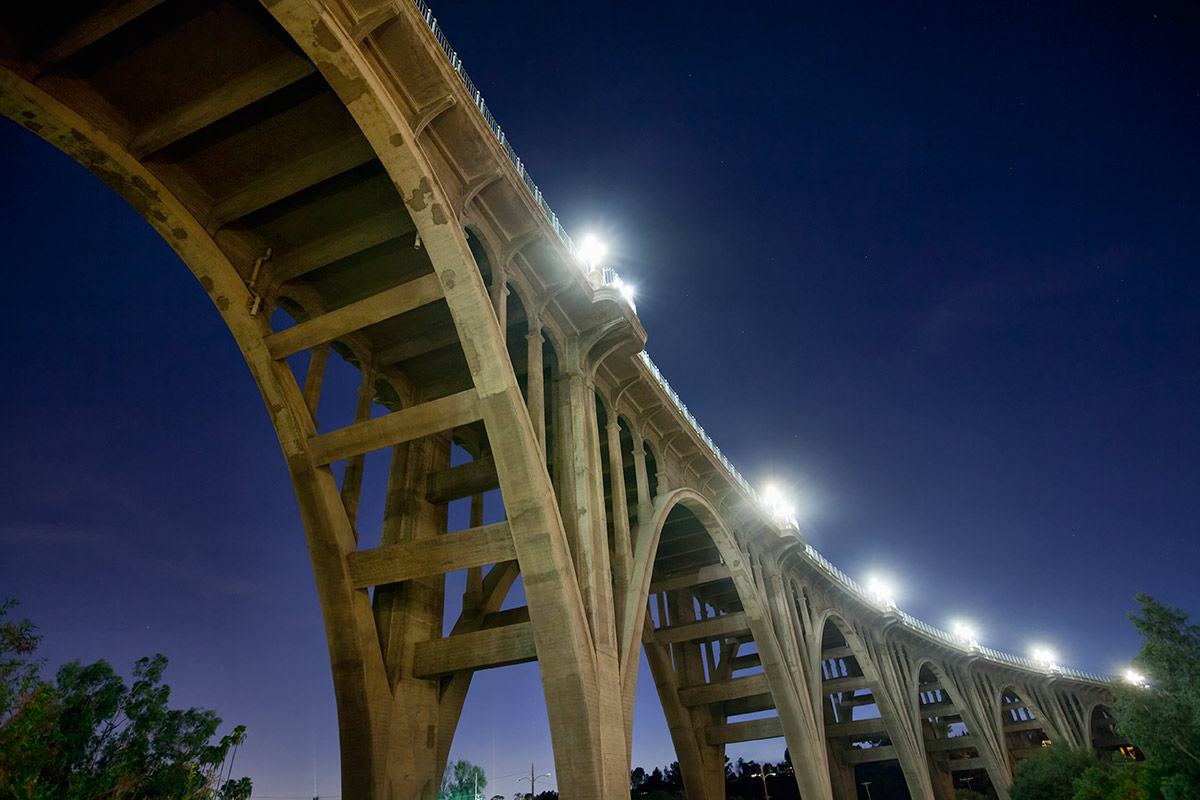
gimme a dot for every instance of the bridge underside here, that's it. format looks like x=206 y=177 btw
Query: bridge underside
x=327 y=176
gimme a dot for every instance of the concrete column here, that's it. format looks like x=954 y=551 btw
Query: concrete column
x=841 y=774
x=536 y=402
x=313 y=379
x=408 y=613
x=352 y=478
x=499 y=296
x=645 y=503
x=473 y=594
x=623 y=557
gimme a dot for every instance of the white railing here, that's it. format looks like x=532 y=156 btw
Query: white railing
x=609 y=277
x=945 y=636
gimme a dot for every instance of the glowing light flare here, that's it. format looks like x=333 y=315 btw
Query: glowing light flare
x=777 y=504
x=881 y=591
x=592 y=251
x=1136 y=678
x=626 y=290
x=1045 y=657
x=965 y=631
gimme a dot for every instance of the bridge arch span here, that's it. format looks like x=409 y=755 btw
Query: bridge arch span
x=403 y=155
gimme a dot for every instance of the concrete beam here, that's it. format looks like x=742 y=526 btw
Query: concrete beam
x=342 y=243
x=953 y=743
x=485 y=649
x=706 y=574
x=112 y=17
x=704 y=630
x=724 y=690
x=961 y=764
x=355 y=316
x=474 y=477
x=450 y=552
x=856 y=727
x=287 y=181
x=749 y=705
x=221 y=102
x=870 y=755
x=850 y=684
x=836 y=653
x=443 y=414
x=748 y=661
x=748 y=731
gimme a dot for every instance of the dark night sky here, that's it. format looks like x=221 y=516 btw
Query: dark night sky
x=931 y=266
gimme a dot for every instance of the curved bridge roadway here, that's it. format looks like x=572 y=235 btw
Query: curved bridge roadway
x=334 y=181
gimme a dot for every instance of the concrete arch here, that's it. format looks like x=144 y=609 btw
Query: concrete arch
x=999 y=773
x=1101 y=734
x=1018 y=731
x=1033 y=705
x=798 y=727
x=901 y=736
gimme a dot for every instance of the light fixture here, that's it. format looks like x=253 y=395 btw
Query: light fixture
x=1136 y=678
x=777 y=504
x=966 y=632
x=592 y=251
x=1045 y=657
x=881 y=591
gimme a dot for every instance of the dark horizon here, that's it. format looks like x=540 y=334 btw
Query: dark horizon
x=932 y=270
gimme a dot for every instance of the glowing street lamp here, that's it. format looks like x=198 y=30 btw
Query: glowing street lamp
x=592 y=251
x=777 y=504
x=966 y=632
x=1136 y=678
x=881 y=591
x=1045 y=657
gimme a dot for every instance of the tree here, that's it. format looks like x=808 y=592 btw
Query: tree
x=462 y=780
x=1110 y=782
x=1163 y=718
x=87 y=735
x=1050 y=773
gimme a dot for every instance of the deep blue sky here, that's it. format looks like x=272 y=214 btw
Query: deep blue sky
x=933 y=267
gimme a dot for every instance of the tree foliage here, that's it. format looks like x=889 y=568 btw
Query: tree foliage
x=462 y=780
x=88 y=735
x=1050 y=774
x=1163 y=719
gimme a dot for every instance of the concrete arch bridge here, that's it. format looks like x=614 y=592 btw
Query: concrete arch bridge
x=336 y=184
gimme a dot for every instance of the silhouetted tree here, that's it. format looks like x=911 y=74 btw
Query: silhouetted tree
x=1163 y=719
x=88 y=735
x=461 y=780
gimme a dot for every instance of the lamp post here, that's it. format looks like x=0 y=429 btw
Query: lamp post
x=762 y=773
x=867 y=785
x=533 y=780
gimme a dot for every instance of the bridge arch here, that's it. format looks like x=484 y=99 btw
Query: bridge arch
x=942 y=686
x=837 y=638
x=1022 y=724
x=693 y=580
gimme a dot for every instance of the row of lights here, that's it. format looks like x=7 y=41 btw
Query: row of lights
x=592 y=252
x=881 y=592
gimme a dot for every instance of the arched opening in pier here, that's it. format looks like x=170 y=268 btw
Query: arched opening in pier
x=1025 y=730
x=950 y=747
x=858 y=743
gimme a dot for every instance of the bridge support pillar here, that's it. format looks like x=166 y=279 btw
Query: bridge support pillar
x=407 y=613
x=841 y=773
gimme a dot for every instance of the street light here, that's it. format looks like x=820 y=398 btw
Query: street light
x=966 y=632
x=533 y=780
x=777 y=504
x=762 y=773
x=867 y=785
x=881 y=591
x=592 y=251
x=1136 y=678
